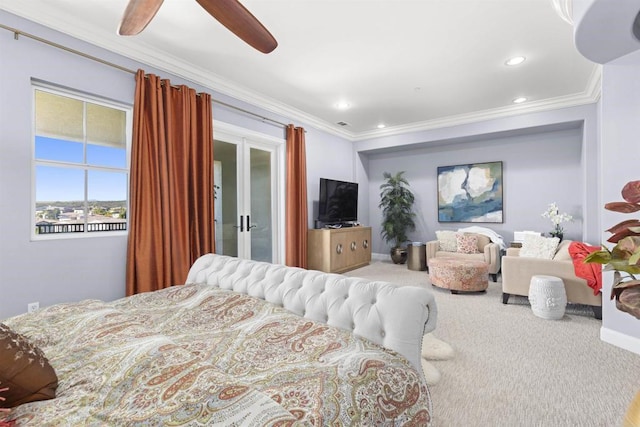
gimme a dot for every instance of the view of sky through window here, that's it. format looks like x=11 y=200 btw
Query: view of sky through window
x=66 y=183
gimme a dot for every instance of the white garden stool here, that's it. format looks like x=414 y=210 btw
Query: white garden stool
x=547 y=297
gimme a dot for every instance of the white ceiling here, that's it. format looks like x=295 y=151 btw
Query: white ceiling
x=410 y=64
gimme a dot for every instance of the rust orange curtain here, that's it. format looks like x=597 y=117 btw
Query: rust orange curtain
x=296 y=222
x=171 y=184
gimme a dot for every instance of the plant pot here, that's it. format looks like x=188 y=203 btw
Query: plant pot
x=557 y=234
x=398 y=255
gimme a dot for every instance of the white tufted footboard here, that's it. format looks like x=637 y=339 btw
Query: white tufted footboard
x=389 y=315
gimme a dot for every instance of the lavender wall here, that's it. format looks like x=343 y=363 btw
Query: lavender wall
x=75 y=269
x=547 y=156
x=619 y=163
x=538 y=169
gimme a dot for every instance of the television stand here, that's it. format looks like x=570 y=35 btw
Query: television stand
x=336 y=250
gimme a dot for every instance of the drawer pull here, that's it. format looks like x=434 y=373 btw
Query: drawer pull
x=339 y=248
x=365 y=244
x=353 y=246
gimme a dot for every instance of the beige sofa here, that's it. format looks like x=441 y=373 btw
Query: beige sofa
x=517 y=272
x=489 y=253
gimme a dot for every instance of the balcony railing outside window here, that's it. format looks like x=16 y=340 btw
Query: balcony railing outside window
x=79 y=228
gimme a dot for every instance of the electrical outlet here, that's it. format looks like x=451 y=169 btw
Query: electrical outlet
x=33 y=306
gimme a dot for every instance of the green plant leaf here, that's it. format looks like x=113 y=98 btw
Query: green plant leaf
x=598 y=257
x=396 y=202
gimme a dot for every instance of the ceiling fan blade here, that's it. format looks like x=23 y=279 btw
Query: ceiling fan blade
x=241 y=22
x=137 y=16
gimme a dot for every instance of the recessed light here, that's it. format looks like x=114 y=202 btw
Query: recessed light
x=516 y=60
x=343 y=105
x=382 y=126
x=519 y=100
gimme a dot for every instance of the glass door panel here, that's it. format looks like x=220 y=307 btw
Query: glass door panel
x=225 y=182
x=261 y=217
x=245 y=185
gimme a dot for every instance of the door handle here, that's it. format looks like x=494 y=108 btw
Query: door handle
x=249 y=226
x=241 y=226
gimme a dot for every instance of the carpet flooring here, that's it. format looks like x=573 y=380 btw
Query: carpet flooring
x=512 y=368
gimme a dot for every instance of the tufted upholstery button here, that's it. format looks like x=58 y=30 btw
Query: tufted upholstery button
x=298 y=291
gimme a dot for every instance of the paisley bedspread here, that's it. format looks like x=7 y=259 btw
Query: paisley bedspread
x=199 y=355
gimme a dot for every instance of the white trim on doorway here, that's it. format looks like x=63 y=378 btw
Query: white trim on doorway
x=232 y=133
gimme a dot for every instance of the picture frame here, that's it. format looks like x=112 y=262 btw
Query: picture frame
x=471 y=192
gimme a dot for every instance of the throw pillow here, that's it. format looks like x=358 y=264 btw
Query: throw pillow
x=467 y=243
x=482 y=241
x=539 y=247
x=447 y=240
x=24 y=369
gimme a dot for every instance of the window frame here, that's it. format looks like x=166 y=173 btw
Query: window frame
x=84 y=166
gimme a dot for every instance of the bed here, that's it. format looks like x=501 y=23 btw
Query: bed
x=240 y=343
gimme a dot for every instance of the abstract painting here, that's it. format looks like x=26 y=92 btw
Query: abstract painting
x=470 y=193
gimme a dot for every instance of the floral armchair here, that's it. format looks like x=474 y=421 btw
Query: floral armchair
x=471 y=246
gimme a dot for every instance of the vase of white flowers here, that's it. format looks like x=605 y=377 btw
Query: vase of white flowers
x=557 y=218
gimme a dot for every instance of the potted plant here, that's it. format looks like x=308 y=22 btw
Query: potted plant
x=396 y=201
x=557 y=218
x=624 y=258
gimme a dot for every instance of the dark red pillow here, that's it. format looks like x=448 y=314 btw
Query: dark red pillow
x=24 y=369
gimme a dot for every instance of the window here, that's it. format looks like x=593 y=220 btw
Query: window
x=81 y=166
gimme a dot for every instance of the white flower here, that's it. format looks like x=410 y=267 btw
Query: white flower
x=553 y=214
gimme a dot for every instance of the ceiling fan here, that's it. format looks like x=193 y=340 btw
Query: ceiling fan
x=229 y=13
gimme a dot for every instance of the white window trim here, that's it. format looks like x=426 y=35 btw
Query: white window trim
x=128 y=110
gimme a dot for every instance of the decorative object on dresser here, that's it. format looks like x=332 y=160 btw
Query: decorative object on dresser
x=242 y=343
x=470 y=193
x=336 y=250
x=449 y=245
x=624 y=258
x=542 y=258
x=396 y=202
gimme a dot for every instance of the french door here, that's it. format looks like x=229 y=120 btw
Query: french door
x=247 y=176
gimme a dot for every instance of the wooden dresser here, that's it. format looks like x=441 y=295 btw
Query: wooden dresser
x=339 y=250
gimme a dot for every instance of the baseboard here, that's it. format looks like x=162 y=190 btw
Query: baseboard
x=380 y=257
x=626 y=342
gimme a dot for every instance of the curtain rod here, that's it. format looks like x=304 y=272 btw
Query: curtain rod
x=17 y=33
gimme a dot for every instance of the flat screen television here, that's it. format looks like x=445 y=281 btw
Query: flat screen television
x=338 y=201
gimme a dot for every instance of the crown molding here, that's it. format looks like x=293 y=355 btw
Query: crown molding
x=146 y=54
x=590 y=95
